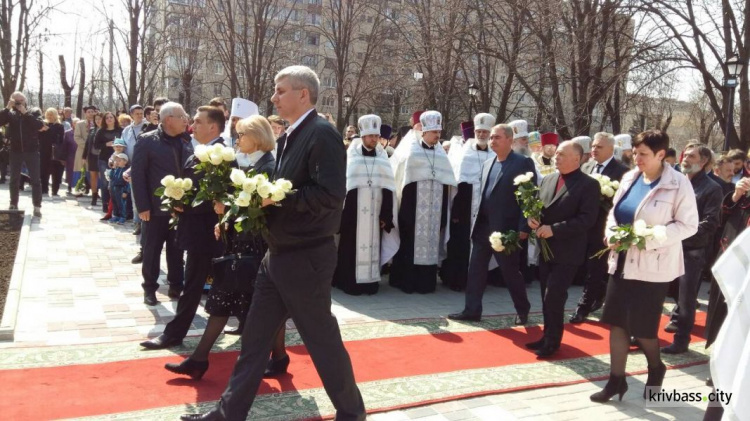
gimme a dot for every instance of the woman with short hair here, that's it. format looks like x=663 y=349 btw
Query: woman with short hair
x=659 y=195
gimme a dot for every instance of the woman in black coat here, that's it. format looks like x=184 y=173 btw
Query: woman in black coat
x=103 y=141
x=255 y=142
x=50 y=140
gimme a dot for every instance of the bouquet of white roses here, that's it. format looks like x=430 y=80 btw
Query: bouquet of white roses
x=505 y=242
x=627 y=235
x=607 y=186
x=531 y=206
x=246 y=203
x=174 y=193
x=215 y=164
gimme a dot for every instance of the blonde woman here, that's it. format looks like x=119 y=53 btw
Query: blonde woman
x=50 y=139
x=256 y=139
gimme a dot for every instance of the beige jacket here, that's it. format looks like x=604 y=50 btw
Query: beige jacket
x=80 y=133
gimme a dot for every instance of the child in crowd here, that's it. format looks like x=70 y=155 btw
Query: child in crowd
x=120 y=189
x=119 y=146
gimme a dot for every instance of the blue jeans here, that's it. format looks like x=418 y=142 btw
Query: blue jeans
x=31 y=159
x=104 y=185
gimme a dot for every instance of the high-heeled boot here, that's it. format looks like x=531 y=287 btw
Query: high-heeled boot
x=189 y=367
x=276 y=368
x=655 y=378
x=616 y=385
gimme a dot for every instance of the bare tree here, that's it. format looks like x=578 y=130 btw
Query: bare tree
x=67 y=87
x=81 y=87
x=41 y=80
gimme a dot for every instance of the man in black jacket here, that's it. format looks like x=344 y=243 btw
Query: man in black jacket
x=23 y=133
x=157 y=154
x=295 y=275
x=708 y=196
x=571 y=204
x=595 y=287
x=498 y=211
x=195 y=234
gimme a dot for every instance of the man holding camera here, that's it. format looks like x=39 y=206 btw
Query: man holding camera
x=23 y=129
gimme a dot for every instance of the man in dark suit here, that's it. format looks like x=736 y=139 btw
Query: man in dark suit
x=195 y=234
x=295 y=275
x=157 y=154
x=571 y=204
x=498 y=211
x=595 y=287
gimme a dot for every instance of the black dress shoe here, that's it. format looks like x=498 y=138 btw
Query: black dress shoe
x=521 y=319
x=547 y=351
x=536 y=345
x=577 y=318
x=276 y=368
x=709 y=382
x=161 y=342
x=149 y=298
x=463 y=316
x=189 y=367
x=670 y=328
x=674 y=349
x=174 y=292
x=237 y=331
x=137 y=230
x=597 y=305
x=213 y=415
x=138 y=258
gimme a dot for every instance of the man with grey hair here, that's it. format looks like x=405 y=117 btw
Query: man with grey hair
x=23 y=133
x=708 y=197
x=594 y=271
x=157 y=154
x=295 y=276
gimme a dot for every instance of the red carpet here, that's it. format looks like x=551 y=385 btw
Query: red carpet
x=85 y=390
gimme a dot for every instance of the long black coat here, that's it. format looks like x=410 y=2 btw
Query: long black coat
x=614 y=170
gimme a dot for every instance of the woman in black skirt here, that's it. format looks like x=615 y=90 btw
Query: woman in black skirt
x=256 y=141
x=658 y=195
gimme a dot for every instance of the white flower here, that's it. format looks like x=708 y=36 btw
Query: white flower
x=228 y=154
x=216 y=159
x=174 y=192
x=243 y=199
x=649 y=232
x=608 y=191
x=615 y=184
x=496 y=241
x=260 y=179
x=277 y=194
x=217 y=149
x=639 y=228
x=284 y=185
x=660 y=233
x=168 y=181
x=201 y=152
x=249 y=185
x=264 y=190
x=237 y=176
x=597 y=177
x=524 y=178
x=187 y=184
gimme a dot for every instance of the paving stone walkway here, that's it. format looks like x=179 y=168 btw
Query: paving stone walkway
x=80 y=287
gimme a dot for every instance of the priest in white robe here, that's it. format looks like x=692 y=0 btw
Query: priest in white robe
x=467 y=168
x=423 y=178
x=241 y=108
x=368 y=216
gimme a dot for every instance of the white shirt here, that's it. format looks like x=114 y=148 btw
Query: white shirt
x=254 y=157
x=603 y=165
x=289 y=131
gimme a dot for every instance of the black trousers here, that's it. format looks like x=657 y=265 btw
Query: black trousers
x=153 y=239
x=595 y=285
x=555 y=279
x=45 y=169
x=57 y=168
x=296 y=283
x=197 y=269
x=481 y=253
x=683 y=315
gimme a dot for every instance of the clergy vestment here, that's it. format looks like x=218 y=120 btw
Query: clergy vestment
x=369 y=201
x=423 y=176
x=464 y=208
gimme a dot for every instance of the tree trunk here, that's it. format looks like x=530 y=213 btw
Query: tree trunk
x=81 y=86
x=41 y=81
x=67 y=89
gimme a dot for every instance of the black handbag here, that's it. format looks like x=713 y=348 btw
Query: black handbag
x=235 y=272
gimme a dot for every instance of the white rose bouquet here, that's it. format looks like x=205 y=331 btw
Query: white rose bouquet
x=505 y=242
x=635 y=235
x=174 y=193
x=531 y=205
x=608 y=187
x=245 y=204
x=215 y=163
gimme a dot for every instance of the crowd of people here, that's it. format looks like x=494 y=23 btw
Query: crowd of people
x=406 y=204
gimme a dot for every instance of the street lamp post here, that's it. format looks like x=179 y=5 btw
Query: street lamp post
x=734 y=69
x=347 y=100
x=473 y=91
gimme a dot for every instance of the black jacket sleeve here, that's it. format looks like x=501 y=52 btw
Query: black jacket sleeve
x=138 y=176
x=386 y=210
